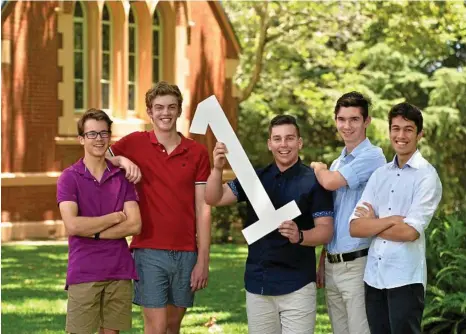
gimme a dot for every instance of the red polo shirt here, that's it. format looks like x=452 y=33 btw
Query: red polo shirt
x=166 y=190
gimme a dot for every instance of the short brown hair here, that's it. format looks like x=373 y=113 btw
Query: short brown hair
x=98 y=115
x=163 y=88
x=354 y=99
x=284 y=119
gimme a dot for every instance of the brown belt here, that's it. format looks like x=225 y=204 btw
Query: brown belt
x=345 y=257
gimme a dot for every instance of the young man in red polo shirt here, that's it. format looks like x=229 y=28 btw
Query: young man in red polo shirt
x=172 y=251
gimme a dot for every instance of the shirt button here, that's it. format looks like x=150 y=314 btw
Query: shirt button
x=393 y=191
x=380 y=258
x=389 y=208
x=384 y=243
x=163 y=151
x=397 y=174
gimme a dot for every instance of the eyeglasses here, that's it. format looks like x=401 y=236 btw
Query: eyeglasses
x=94 y=134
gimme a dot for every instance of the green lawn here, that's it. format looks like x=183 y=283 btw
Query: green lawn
x=33 y=299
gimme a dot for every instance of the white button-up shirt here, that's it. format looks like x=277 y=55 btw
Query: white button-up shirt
x=414 y=192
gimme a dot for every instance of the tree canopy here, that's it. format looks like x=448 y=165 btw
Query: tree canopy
x=299 y=57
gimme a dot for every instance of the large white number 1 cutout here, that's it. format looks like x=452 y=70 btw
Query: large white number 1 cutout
x=210 y=113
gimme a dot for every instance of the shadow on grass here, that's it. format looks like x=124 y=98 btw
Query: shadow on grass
x=32 y=323
x=34 y=300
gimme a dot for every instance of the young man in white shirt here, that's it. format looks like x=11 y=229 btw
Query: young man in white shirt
x=395 y=209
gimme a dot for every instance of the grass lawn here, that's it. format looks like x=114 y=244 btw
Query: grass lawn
x=33 y=299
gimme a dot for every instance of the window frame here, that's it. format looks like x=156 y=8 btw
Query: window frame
x=108 y=81
x=84 y=81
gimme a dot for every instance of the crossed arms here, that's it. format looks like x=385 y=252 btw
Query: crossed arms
x=114 y=225
x=426 y=197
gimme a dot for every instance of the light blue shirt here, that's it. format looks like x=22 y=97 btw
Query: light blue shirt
x=356 y=167
x=414 y=192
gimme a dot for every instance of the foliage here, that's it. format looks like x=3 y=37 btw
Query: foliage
x=446 y=258
x=299 y=57
x=227 y=223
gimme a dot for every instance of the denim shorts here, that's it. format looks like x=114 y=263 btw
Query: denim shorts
x=164 y=278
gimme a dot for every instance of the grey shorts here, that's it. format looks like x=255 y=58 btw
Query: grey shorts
x=164 y=278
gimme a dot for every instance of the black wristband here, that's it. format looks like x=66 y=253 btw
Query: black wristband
x=97 y=236
x=301 y=237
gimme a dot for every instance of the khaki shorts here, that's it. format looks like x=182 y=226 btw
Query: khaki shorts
x=104 y=304
x=293 y=313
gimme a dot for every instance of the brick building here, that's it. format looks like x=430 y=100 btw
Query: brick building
x=60 y=58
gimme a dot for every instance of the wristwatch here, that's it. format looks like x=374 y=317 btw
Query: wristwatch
x=301 y=237
x=97 y=236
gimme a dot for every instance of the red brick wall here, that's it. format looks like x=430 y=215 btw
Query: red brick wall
x=34 y=203
x=30 y=105
x=207 y=53
x=30 y=102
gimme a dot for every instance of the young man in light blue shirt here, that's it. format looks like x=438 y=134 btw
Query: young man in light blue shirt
x=395 y=210
x=342 y=263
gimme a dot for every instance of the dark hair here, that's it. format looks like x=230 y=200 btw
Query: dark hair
x=407 y=111
x=354 y=99
x=162 y=88
x=98 y=115
x=281 y=120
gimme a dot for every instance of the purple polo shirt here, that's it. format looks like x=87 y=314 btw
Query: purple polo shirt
x=91 y=260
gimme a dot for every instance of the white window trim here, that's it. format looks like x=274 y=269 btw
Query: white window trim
x=158 y=28
x=84 y=51
x=132 y=112
x=110 y=52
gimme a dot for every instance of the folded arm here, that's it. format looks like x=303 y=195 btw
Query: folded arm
x=131 y=226
x=369 y=227
x=86 y=226
x=425 y=201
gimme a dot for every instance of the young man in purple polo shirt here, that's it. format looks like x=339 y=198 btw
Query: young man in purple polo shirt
x=99 y=208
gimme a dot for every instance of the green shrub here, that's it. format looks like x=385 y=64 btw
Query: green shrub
x=227 y=223
x=446 y=274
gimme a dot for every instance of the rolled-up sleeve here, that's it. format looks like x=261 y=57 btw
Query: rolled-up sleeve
x=359 y=170
x=426 y=199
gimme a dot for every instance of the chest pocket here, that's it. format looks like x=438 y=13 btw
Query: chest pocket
x=186 y=168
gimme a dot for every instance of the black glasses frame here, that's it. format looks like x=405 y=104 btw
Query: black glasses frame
x=94 y=134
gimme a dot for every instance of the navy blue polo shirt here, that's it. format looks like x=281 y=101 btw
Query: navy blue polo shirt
x=274 y=265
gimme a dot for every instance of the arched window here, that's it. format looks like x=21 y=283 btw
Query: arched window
x=132 y=62
x=106 y=59
x=156 y=48
x=79 y=44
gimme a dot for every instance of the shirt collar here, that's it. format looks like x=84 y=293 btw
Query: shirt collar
x=413 y=162
x=362 y=146
x=81 y=168
x=184 y=143
x=289 y=172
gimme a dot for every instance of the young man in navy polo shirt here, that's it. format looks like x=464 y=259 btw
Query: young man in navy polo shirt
x=172 y=251
x=281 y=269
x=99 y=209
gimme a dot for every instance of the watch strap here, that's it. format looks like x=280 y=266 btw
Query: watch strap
x=301 y=237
